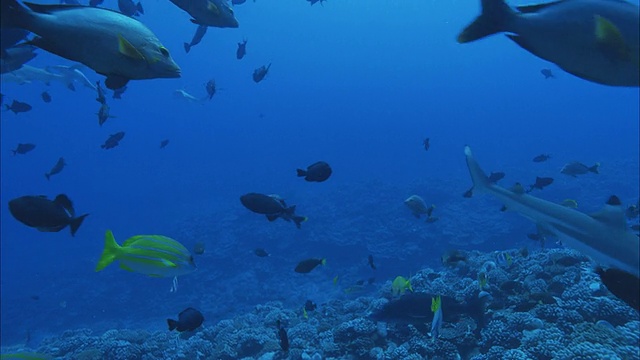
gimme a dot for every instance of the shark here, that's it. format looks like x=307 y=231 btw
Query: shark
x=603 y=236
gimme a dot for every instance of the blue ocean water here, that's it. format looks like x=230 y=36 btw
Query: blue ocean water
x=356 y=84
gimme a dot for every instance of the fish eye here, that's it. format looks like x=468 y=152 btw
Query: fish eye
x=164 y=51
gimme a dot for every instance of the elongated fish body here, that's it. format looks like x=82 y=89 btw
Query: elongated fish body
x=109 y=42
x=603 y=236
x=215 y=13
x=597 y=40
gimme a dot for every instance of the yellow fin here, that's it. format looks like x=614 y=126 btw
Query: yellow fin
x=610 y=39
x=435 y=303
x=127 y=49
x=126 y=268
x=110 y=252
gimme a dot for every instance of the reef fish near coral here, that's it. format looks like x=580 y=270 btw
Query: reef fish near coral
x=188 y=320
x=603 y=236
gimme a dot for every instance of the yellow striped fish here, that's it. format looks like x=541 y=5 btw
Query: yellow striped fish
x=153 y=255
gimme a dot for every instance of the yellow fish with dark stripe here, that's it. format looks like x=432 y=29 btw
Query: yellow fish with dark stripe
x=153 y=255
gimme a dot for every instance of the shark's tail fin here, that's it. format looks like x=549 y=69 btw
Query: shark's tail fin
x=480 y=179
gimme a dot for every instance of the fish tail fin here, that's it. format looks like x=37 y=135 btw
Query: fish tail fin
x=301 y=172
x=110 y=251
x=479 y=177
x=594 y=168
x=14 y=14
x=298 y=220
x=493 y=19
x=76 y=222
x=172 y=324
x=187 y=47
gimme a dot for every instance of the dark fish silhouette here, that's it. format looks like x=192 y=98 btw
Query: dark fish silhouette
x=103 y=114
x=188 y=320
x=623 y=285
x=541 y=158
x=547 y=73
x=23 y=149
x=260 y=252
x=18 y=107
x=211 y=88
x=283 y=337
x=260 y=73
x=101 y=98
x=306 y=266
x=46 y=215
x=316 y=1
x=113 y=140
x=129 y=8
x=370 y=261
x=426 y=144
x=271 y=206
x=197 y=37
x=46 y=97
x=56 y=168
x=242 y=49
x=164 y=143
x=541 y=183
x=316 y=172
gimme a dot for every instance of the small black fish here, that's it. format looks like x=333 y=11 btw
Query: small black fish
x=46 y=97
x=260 y=252
x=188 y=320
x=306 y=266
x=623 y=285
x=23 y=149
x=426 y=144
x=468 y=193
x=495 y=177
x=310 y=305
x=113 y=140
x=272 y=207
x=199 y=248
x=95 y=3
x=360 y=282
x=197 y=37
x=129 y=8
x=242 y=49
x=44 y=214
x=453 y=257
x=18 y=107
x=260 y=73
x=632 y=212
x=117 y=93
x=370 y=261
x=547 y=73
x=317 y=172
x=164 y=143
x=315 y=1
x=541 y=158
x=541 y=183
x=35 y=297
x=282 y=335
x=56 y=168
x=101 y=98
x=211 y=88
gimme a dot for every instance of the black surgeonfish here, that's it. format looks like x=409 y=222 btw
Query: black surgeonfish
x=46 y=215
x=316 y=172
x=271 y=206
x=188 y=320
x=623 y=285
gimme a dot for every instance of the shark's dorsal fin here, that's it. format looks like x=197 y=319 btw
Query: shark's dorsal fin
x=612 y=214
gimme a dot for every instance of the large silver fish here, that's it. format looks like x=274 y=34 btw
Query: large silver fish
x=597 y=40
x=109 y=42
x=603 y=236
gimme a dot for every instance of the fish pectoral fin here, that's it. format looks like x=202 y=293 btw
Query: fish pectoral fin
x=126 y=268
x=114 y=82
x=127 y=49
x=610 y=40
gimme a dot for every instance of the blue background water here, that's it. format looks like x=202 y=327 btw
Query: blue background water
x=357 y=85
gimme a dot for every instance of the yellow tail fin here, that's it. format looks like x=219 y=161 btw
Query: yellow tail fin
x=110 y=251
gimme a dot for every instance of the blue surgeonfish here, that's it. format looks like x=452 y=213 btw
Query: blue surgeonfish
x=603 y=236
x=596 y=40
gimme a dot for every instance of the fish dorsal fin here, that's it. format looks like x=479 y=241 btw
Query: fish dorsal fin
x=130 y=241
x=528 y=9
x=610 y=40
x=127 y=49
x=65 y=202
x=612 y=214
